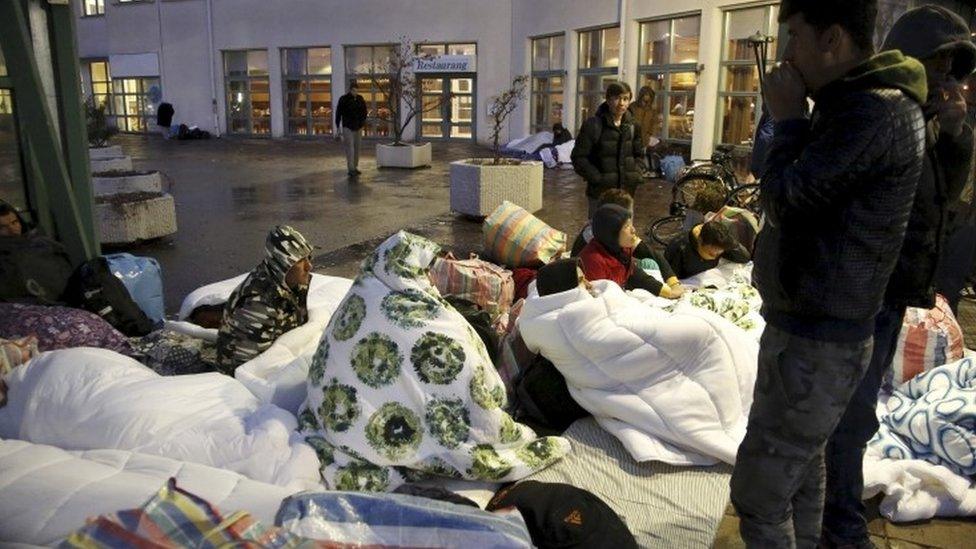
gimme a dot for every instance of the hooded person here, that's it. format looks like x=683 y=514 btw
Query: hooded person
x=939 y=39
x=401 y=386
x=270 y=301
x=610 y=254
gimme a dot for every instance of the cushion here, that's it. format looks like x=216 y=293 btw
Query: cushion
x=516 y=238
x=60 y=328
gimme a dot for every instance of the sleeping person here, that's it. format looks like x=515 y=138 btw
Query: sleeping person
x=700 y=249
x=671 y=386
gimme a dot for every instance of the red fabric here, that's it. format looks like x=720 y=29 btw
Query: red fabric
x=523 y=277
x=598 y=264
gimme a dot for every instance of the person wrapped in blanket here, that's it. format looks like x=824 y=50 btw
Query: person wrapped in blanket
x=699 y=249
x=616 y=253
x=270 y=301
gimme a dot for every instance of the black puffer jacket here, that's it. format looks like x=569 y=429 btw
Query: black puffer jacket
x=837 y=192
x=921 y=33
x=606 y=155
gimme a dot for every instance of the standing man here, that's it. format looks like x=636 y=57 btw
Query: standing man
x=609 y=147
x=350 y=119
x=940 y=40
x=837 y=191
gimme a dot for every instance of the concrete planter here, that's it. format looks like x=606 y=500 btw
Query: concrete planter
x=123 y=163
x=477 y=189
x=101 y=153
x=405 y=156
x=147 y=182
x=132 y=217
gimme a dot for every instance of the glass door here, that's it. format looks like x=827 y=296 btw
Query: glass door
x=454 y=117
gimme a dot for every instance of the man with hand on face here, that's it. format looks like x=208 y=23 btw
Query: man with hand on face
x=940 y=40
x=837 y=191
x=609 y=147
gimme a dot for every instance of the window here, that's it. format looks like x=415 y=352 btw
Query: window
x=101 y=83
x=599 y=56
x=12 y=188
x=667 y=76
x=447 y=49
x=740 y=103
x=93 y=7
x=307 y=77
x=367 y=65
x=134 y=103
x=548 y=76
x=248 y=92
x=3 y=65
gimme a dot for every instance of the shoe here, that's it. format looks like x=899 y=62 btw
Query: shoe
x=356 y=172
x=353 y=173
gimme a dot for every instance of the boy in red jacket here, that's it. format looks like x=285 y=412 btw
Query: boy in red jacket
x=610 y=254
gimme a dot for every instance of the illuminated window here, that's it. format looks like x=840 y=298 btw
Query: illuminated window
x=548 y=77
x=307 y=78
x=248 y=92
x=134 y=102
x=599 y=57
x=369 y=67
x=93 y=7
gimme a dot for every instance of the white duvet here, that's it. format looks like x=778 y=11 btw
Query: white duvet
x=46 y=492
x=87 y=399
x=673 y=387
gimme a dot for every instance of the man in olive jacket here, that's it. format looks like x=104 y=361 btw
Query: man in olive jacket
x=608 y=147
x=940 y=40
x=837 y=191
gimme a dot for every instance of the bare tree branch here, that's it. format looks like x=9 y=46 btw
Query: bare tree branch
x=501 y=108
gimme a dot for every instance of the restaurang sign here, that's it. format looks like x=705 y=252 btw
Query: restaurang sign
x=446 y=63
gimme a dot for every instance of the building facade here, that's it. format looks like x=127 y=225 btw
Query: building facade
x=277 y=69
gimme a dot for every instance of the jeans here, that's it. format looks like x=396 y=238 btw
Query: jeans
x=351 y=141
x=843 y=521
x=802 y=390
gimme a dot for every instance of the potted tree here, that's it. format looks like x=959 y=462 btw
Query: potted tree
x=130 y=205
x=404 y=102
x=479 y=185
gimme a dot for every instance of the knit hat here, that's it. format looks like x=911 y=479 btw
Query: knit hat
x=558 y=276
x=607 y=222
x=285 y=247
x=925 y=31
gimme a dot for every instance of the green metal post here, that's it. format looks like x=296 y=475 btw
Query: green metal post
x=42 y=138
x=74 y=134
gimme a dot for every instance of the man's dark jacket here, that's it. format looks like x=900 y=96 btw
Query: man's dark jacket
x=351 y=112
x=948 y=161
x=606 y=155
x=837 y=193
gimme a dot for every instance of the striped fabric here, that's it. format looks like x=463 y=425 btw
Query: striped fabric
x=928 y=339
x=516 y=238
x=176 y=518
x=663 y=505
x=489 y=286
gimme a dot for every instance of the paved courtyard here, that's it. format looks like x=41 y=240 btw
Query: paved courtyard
x=229 y=192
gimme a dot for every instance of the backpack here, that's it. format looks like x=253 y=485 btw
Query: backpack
x=33 y=269
x=94 y=288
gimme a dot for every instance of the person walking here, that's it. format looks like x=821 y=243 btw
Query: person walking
x=837 y=190
x=350 y=118
x=609 y=147
x=940 y=40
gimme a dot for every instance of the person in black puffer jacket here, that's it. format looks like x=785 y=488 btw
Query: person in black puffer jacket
x=940 y=40
x=837 y=192
x=609 y=147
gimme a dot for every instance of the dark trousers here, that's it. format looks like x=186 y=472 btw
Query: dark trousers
x=843 y=521
x=956 y=263
x=802 y=390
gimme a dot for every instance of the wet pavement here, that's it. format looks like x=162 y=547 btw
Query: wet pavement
x=229 y=192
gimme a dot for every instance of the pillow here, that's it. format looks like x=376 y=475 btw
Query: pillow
x=60 y=328
x=516 y=238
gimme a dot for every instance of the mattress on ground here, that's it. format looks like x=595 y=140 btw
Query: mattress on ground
x=46 y=492
x=663 y=505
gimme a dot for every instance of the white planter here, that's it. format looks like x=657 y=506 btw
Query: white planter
x=151 y=182
x=405 y=156
x=477 y=190
x=101 y=153
x=123 y=163
x=128 y=222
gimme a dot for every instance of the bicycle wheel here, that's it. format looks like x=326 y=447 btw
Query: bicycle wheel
x=665 y=229
x=692 y=182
